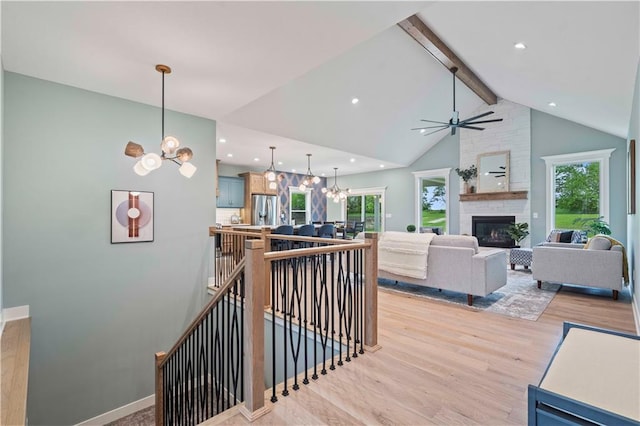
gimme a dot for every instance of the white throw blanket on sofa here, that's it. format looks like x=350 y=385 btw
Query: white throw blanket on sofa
x=404 y=253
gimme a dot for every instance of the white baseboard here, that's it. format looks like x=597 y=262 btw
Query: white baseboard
x=16 y=313
x=120 y=412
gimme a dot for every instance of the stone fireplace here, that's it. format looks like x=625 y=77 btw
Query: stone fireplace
x=491 y=231
x=513 y=134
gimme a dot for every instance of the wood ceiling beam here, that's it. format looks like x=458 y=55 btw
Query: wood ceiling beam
x=421 y=33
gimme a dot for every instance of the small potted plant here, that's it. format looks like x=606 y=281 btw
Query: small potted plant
x=594 y=225
x=411 y=228
x=518 y=231
x=467 y=175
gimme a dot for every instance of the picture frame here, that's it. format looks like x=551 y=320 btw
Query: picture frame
x=631 y=174
x=131 y=217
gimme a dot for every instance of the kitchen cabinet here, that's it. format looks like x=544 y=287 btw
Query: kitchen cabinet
x=257 y=184
x=231 y=192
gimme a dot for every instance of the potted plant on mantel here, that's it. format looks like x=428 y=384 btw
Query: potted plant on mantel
x=467 y=175
x=518 y=231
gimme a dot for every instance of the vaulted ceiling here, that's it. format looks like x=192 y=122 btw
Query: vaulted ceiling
x=284 y=73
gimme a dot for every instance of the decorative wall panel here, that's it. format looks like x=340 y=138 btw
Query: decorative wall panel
x=318 y=199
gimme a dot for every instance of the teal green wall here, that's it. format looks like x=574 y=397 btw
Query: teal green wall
x=99 y=311
x=634 y=220
x=1 y=196
x=551 y=135
x=400 y=184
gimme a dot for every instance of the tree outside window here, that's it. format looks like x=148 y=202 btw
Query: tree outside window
x=577 y=193
x=434 y=207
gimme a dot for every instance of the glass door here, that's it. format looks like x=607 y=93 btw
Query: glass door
x=367 y=208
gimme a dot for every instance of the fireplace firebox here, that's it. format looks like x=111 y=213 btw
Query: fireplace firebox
x=491 y=231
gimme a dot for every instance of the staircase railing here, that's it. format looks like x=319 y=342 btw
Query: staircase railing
x=202 y=375
x=321 y=299
x=229 y=251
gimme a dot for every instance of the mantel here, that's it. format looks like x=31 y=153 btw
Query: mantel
x=492 y=196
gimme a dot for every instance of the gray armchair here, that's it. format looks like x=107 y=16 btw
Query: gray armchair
x=599 y=266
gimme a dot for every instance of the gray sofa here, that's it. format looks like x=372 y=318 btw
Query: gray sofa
x=455 y=263
x=600 y=266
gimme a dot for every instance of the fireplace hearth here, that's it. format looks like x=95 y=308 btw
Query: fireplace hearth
x=491 y=231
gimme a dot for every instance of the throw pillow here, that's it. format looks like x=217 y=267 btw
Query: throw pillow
x=566 y=236
x=553 y=236
x=599 y=243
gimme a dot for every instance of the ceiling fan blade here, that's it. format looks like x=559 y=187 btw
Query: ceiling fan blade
x=431 y=127
x=439 y=122
x=453 y=130
x=435 y=131
x=479 y=116
x=464 y=126
x=482 y=121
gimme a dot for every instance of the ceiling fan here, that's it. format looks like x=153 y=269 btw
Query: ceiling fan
x=454 y=122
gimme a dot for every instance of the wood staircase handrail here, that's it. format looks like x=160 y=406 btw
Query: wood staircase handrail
x=205 y=311
x=284 y=254
x=213 y=230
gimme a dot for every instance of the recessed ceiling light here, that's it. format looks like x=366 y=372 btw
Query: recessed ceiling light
x=423 y=130
x=355 y=100
x=293 y=170
x=229 y=155
x=552 y=104
x=279 y=163
x=382 y=166
x=222 y=140
x=323 y=174
x=520 y=46
x=256 y=159
x=353 y=160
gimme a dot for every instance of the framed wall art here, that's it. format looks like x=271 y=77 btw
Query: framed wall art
x=131 y=216
x=631 y=173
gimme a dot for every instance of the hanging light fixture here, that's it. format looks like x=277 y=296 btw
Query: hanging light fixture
x=335 y=192
x=170 y=148
x=309 y=179
x=271 y=174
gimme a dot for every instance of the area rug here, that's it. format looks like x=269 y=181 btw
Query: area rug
x=519 y=298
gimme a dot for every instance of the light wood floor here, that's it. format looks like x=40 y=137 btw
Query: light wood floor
x=445 y=364
x=16 y=340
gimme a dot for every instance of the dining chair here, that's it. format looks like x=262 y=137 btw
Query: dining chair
x=305 y=231
x=278 y=245
x=327 y=231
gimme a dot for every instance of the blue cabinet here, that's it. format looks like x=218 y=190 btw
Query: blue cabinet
x=231 y=192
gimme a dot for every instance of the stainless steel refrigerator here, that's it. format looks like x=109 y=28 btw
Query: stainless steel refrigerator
x=265 y=210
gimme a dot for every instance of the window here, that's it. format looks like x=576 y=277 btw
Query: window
x=367 y=205
x=577 y=188
x=299 y=206
x=432 y=198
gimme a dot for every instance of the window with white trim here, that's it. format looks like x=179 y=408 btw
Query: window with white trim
x=577 y=188
x=432 y=199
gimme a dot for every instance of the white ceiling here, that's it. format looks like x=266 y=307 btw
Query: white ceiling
x=284 y=73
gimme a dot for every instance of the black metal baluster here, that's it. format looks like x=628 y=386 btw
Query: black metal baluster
x=306 y=329
x=362 y=290
x=274 y=298
x=285 y=391
x=241 y=360
x=341 y=304
x=325 y=322
x=333 y=301
x=295 y=298
x=314 y=319
x=226 y=354
x=349 y=303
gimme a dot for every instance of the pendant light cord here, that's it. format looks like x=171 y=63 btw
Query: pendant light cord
x=162 y=105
